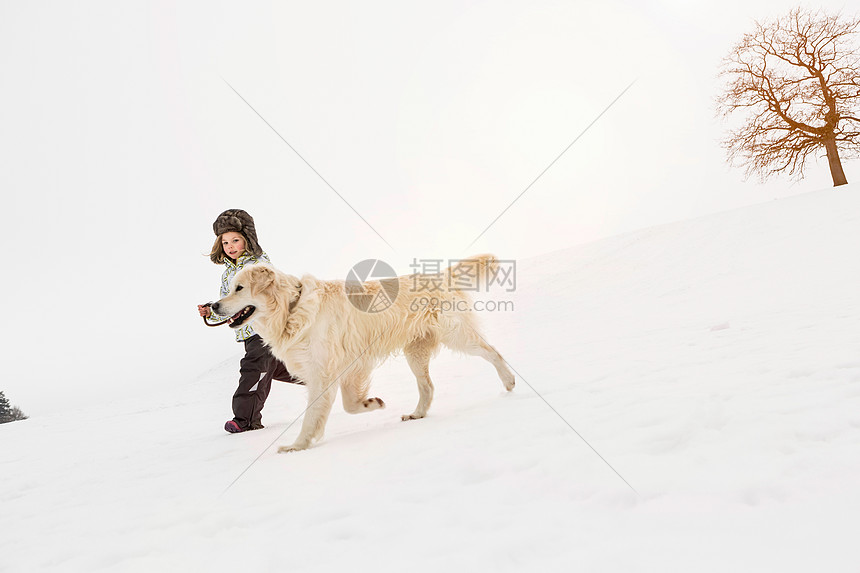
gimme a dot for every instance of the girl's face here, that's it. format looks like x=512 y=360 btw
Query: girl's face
x=233 y=244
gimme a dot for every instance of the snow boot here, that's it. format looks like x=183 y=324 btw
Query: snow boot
x=234 y=428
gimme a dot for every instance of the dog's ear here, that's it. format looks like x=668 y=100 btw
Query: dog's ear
x=261 y=278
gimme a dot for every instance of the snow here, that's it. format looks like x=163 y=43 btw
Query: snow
x=714 y=364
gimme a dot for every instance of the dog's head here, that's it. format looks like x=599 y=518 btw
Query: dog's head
x=258 y=292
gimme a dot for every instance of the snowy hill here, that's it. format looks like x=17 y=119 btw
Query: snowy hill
x=713 y=366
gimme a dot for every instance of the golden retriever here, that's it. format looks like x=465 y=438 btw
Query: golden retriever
x=313 y=327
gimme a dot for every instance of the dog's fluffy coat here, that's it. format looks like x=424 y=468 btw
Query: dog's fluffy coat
x=313 y=328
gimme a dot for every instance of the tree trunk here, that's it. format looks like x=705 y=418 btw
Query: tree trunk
x=834 y=161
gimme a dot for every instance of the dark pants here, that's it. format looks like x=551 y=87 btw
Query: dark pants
x=256 y=371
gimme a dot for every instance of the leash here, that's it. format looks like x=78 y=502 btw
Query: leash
x=206 y=318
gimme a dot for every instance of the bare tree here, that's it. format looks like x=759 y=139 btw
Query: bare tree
x=796 y=80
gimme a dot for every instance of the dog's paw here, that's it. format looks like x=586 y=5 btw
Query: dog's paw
x=373 y=404
x=407 y=417
x=291 y=448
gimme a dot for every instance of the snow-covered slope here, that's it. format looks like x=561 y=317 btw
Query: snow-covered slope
x=688 y=399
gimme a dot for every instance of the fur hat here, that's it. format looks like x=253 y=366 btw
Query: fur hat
x=241 y=222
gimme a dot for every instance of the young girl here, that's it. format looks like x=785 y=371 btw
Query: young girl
x=235 y=247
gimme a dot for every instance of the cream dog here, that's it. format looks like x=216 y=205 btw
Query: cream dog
x=314 y=328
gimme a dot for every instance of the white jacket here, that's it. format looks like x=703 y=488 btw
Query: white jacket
x=243 y=332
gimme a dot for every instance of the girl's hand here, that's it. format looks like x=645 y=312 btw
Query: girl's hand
x=204 y=311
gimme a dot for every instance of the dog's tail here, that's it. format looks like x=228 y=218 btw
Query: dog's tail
x=473 y=271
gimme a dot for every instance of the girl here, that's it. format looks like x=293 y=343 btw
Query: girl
x=236 y=246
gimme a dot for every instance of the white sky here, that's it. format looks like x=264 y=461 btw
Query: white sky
x=122 y=142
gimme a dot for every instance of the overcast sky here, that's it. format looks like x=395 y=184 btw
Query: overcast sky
x=122 y=141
